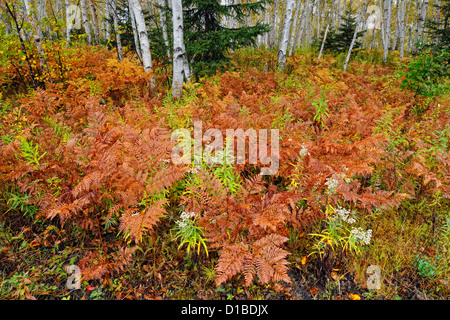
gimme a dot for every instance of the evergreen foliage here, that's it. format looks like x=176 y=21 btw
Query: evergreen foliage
x=340 y=40
x=432 y=61
x=208 y=40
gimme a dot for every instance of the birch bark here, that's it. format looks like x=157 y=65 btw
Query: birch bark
x=135 y=33
x=95 y=21
x=113 y=7
x=282 y=53
x=179 y=51
x=37 y=35
x=85 y=20
x=143 y=35
x=363 y=10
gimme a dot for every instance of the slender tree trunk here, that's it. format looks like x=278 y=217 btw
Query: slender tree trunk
x=135 y=33
x=38 y=37
x=179 y=52
x=68 y=23
x=41 y=13
x=143 y=38
x=295 y=26
x=421 y=20
x=24 y=49
x=409 y=40
x=95 y=20
x=386 y=27
x=302 y=26
x=107 y=21
x=397 y=26
x=162 y=20
x=363 y=10
x=85 y=20
x=273 y=23
x=112 y=5
x=402 y=28
x=282 y=53
x=323 y=41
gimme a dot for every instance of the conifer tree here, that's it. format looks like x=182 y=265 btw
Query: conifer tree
x=440 y=29
x=208 y=40
x=340 y=41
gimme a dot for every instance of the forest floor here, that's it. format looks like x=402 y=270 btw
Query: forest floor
x=401 y=174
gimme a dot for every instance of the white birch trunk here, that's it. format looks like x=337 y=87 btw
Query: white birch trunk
x=135 y=33
x=386 y=27
x=323 y=41
x=402 y=27
x=162 y=21
x=95 y=21
x=113 y=7
x=37 y=35
x=282 y=53
x=421 y=20
x=363 y=10
x=68 y=24
x=143 y=35
x=85 y=20
x=107 y=22
x=294 y=27
x=179 y=52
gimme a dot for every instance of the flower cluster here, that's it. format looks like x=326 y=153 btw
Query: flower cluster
x=363 y=236
x=345 y=214
x=303 y=151
x=332 y=184
x=182 y=223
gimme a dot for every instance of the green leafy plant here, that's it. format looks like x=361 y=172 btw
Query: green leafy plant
x=426 y=72
x=189 y=233
x=30 y=151
x=337 y=234
x=425 y=266
x=322 y=110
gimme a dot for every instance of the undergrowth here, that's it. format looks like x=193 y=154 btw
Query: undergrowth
x=86 y=179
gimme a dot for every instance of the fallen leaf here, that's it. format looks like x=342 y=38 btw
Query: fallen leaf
x=304 y=260
x=313 y=290
x=335 y=276
x=354 y=296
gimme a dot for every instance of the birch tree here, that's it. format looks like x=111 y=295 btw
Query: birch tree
x=282 y=53
x=107 y=14
x=143 y=35
x=95 y=22
x=363 y=10
x=113 y=7
x=68 y=23
x=38 y=36
x=135 y=33
x=422 y=14
x=162 y=21
x=401 y=27
x=85 y=20
x=179 y=50
x=386 y=27
x=323 y=41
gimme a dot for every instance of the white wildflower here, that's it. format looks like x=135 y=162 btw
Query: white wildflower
x=363 y=236
x=182 y=223
x=194 y=170
x=332 y=184
x=303 y=151
x=345 y=215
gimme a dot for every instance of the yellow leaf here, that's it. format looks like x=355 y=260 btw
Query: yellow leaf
x=335 y=276
x=304 y=260
x=354 y=296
